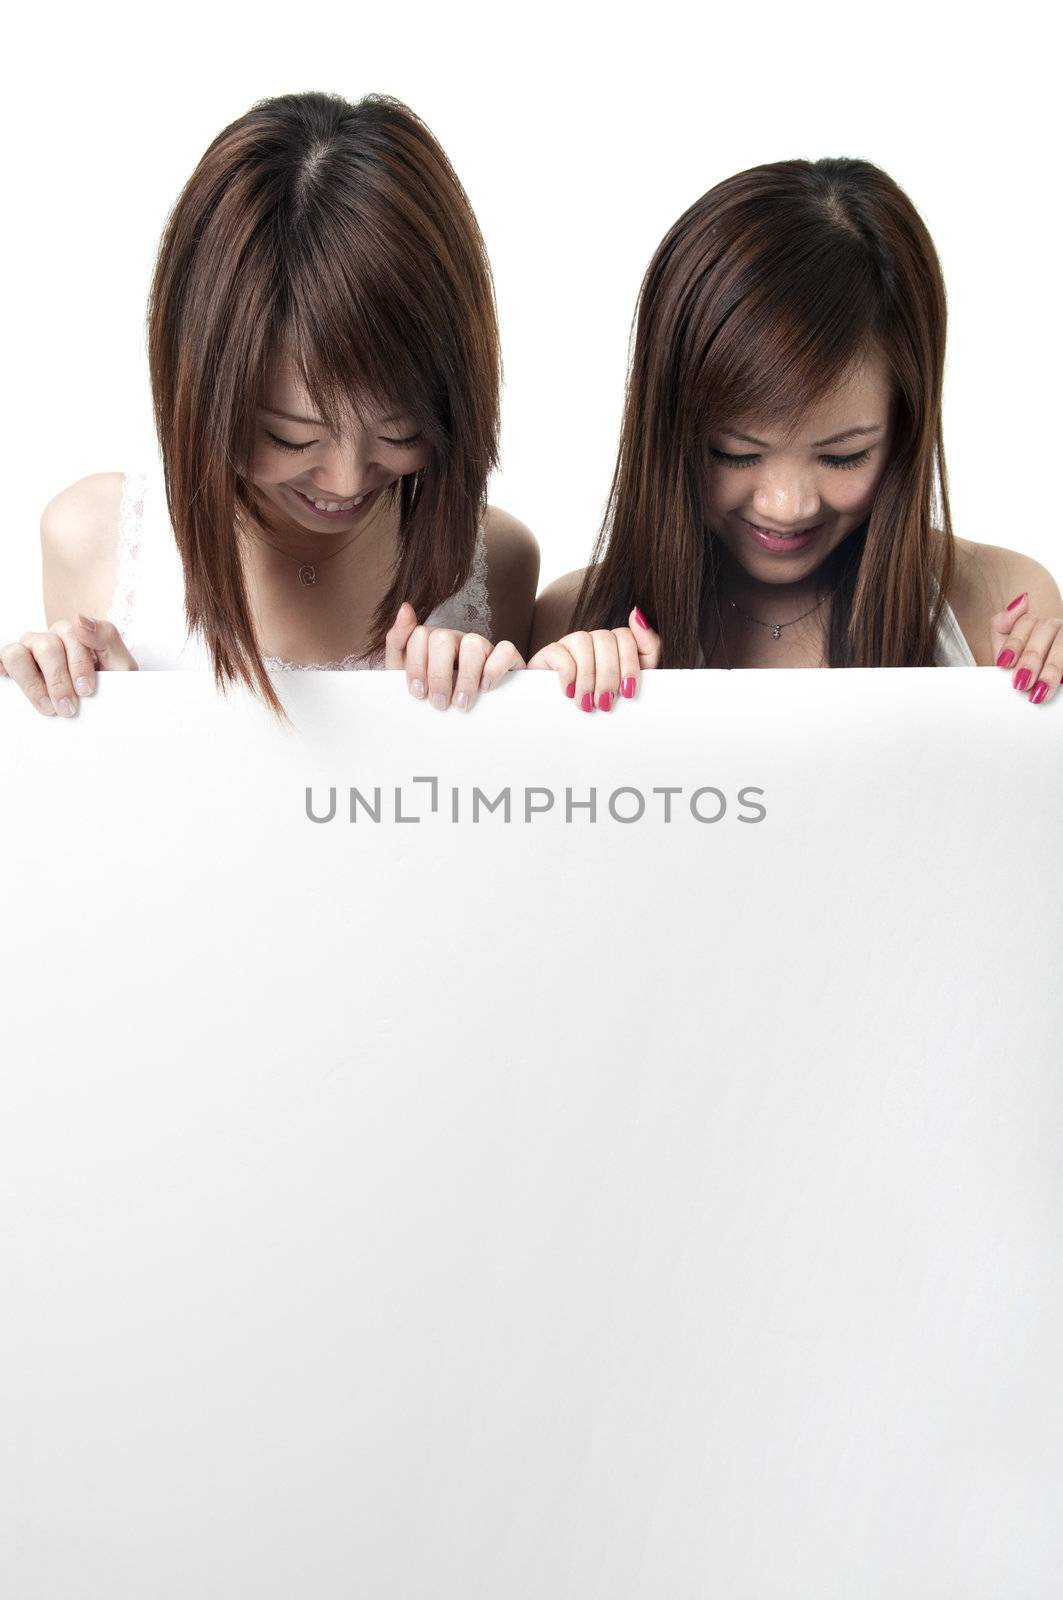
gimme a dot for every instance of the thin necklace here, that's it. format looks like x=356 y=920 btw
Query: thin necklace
x=307 y=569
x=777 y=627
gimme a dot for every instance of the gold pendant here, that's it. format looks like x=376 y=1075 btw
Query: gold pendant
x=307 y=575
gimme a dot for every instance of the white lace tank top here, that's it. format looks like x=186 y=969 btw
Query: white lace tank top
x=148 y=603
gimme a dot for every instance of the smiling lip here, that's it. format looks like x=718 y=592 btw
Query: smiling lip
x=772 y=542
x=334 y=516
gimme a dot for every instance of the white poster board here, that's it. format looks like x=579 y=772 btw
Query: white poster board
x=533 y=1207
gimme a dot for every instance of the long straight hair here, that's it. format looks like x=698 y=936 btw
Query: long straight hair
x=762 y=297
x=338 y=235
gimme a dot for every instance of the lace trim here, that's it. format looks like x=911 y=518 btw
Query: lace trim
x=348 y=664
x=475 y=597
x=130 y=541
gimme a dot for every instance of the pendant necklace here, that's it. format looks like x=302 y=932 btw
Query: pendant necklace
x=307 y=569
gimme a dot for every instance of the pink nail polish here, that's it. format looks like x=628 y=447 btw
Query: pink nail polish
x=1005 y=658
x=1019 y=598
x=627 y=688
x=1040 y=689
x=570 y=689
x=587 y=703
x=640 y=619
x=605 y=700
x=1022 y=678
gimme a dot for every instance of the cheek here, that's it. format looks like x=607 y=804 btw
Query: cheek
x=268 y=466
x=854 y=492
x=724 y=488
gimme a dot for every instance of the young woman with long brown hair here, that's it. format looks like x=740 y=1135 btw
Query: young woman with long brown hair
x=780 y=495
x=325 y=370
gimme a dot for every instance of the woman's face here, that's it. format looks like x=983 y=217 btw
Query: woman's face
x=321 y=482
x=812 y=481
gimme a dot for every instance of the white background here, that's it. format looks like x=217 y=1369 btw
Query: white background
x=543 y=1211
x=580 y=134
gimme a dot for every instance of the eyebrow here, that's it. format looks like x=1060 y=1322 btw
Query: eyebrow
x=835 y=438
x=314 y=422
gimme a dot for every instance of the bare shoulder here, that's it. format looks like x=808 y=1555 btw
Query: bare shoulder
x=512 y=575
x=79 y=546
x=986 y=578
x=554 y=608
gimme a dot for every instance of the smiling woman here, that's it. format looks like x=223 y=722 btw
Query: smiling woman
x=325 y=371
x=795 y=309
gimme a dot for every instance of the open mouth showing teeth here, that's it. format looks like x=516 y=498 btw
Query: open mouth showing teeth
x=773 y=533
x=335 y=505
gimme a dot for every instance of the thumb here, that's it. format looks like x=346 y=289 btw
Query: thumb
x=106 y=644
x=1002 y=622
x=398 y=636
x=649 y=643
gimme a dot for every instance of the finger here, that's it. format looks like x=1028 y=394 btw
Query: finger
x=1014 y=643
x=504 y=658
x=580 y=647
x=49 y=652
x=20 y=666
x=397 y=636
x=649 y=643
x=1041 y=638
x=606 y=668
x=442 y=653
x=80 y=659
x=554 y=657
x=1048 y=679
x=628 y=651
x=106 y=643
x=1002 y=624
x=473 y=652
x=416 y=662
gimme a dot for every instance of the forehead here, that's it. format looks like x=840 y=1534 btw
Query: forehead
x=861 y=397
x=285 y=390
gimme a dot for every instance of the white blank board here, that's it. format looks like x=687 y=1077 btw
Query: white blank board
x=534 y=1208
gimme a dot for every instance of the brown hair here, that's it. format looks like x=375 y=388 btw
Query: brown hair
x=763 y=296
x=337 y=234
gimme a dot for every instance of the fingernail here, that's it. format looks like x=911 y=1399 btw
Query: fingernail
x=605 y=700
x=83 y=686
x=417 y=688
x=587 y=703
x=1005 y=658
x=45 y=705
x=87 y=622
x=439 y=701
x=66 y=707
x=1040 y=689
x=485 y=684
x=570 y=689
x=627 y=688
x=640 y=619
x=461 y=700
x=1022 y=678
x=1019 y=598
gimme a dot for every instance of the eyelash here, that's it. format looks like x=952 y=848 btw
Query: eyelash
x=845 y=463
x=286 y=444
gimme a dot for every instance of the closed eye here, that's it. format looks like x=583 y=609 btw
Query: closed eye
x=729 y=460
x=286 y=444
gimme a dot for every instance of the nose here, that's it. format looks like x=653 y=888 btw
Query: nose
x=786 y=497
x=343 y=471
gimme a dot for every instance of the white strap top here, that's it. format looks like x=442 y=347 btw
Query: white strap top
x=148 y=603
